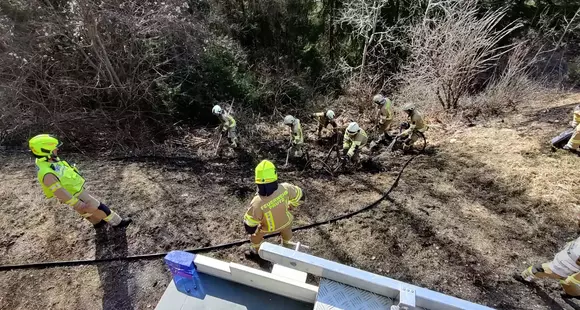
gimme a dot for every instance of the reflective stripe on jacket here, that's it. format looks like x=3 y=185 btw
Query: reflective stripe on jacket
x=386 y=111
x=323 y=121
x=67 y=175
x=227 y=121
x=360 y=139
x=297 y=136
x=271 y=212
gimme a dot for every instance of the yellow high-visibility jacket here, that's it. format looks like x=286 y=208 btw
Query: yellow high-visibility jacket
x=227 y=121
x=297 y=136
x=272 y=212
x=386 y=111
x=350 y=143
x=67 y=175
x=576 y=119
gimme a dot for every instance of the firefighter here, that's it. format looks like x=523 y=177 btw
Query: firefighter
x=416 y=124
x=227 y=125
x=384 y=114
x=270 y=210
x=297 y=139
x=325 y=119
x=61 y=180
x=563 y=267
x=354 y=139
x=574 y=141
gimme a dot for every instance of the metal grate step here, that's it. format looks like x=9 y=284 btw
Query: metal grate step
x=334 y=295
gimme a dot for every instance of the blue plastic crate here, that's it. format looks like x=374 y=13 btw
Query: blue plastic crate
x=184 y=273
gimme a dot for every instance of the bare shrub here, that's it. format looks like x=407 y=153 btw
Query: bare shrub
x=105 y=60
x=451 y=46
x=514 y=85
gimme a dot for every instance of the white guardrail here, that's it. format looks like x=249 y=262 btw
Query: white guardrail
x=409 y=296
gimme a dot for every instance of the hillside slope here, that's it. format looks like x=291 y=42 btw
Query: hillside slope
x=482 y=203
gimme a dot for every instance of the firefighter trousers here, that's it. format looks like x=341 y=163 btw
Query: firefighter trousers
x=257 y=239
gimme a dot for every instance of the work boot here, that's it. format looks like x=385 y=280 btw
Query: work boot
x=568 y=296
x=252 y=255
x=100 y=224
x=125 y=222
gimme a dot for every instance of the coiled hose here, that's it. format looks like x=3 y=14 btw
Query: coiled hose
x=43 y=265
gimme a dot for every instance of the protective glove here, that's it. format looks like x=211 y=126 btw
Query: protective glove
x=350 y=153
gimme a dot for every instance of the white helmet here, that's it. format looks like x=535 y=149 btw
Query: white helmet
x=330 y=114
x=289 y=120
x=378 y=99
x=352 y=128
x=409 y=107
x=217 y=110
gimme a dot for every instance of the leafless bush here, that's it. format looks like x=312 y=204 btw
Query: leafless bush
x=111 y=57
x=513 y=86
x=451 y=46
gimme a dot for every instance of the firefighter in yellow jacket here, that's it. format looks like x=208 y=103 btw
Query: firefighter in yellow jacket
x=297 y=139
x=270 y=210
x=227 y=125
x=574 y=141
x=324 y=119
x=354 y=139
x=564 y=267
x=61 y=180
x=416 y=124
x=384 y=115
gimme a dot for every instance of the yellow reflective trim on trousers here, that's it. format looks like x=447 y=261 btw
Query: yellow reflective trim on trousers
x=73 y=201
x=109 y=217
x=256 y=245
x=572 y=280
x=250 y=220
x=54 y=187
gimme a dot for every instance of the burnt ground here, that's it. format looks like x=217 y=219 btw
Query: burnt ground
x=483 y=203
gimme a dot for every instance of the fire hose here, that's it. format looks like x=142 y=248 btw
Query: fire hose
x=68 y=263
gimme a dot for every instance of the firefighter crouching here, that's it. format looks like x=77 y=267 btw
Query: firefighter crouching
x=354 y=139
x=564 y=267
x=270 y=210
x=325 y=119
x=63 y=181
x=227 y=125
x=416 y=124
x=297 y=139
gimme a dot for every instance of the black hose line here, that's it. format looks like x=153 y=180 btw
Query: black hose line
x=69 y=263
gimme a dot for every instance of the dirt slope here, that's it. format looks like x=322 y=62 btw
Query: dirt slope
x=483 y=203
